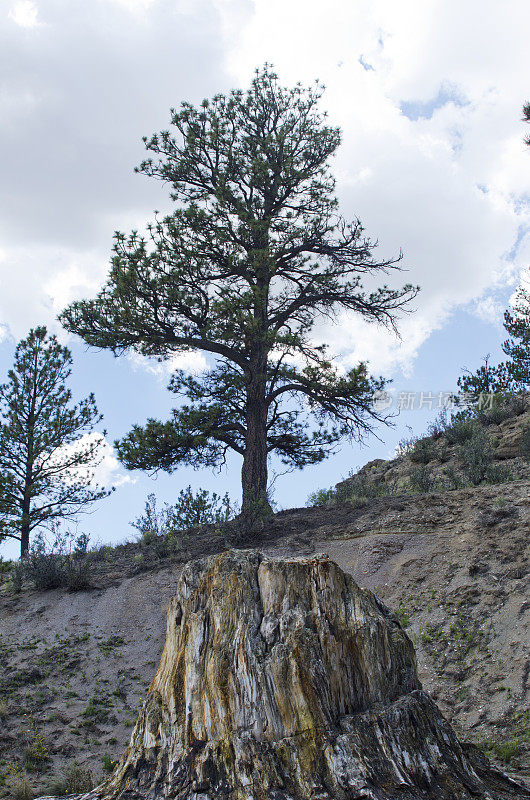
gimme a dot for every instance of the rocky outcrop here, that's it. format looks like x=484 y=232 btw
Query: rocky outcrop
x=283 y=680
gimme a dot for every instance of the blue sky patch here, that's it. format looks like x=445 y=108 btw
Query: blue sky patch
x=365 y=65
x=424 y=109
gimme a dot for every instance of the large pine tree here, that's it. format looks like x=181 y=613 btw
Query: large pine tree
x=253 y=254
x=47 y=456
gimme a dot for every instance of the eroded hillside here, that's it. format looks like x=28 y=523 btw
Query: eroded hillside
x=452 y=564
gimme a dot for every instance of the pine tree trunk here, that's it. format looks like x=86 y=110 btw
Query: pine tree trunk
x=254 y=472
x=24 y=541
x=255 y=504
x=24 y=528
x=26 y=499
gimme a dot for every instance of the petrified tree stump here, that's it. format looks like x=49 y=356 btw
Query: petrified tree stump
x=283 y=680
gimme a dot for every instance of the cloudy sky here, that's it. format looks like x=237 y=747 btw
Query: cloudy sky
x=429 y=97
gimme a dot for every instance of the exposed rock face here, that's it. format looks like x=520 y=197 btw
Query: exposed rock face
x=282 y=680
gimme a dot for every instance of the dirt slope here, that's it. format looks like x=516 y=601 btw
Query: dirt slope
x=454 y=565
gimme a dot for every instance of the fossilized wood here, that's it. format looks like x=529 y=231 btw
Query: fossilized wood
x=283 y=680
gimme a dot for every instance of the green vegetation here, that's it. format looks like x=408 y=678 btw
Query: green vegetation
x=98 y=709
x=403 y=616
x=253 y=255
x=74 y=780
x=108 y=762
x=36 y=754
x=458 y=452
x=421 y=479
x=511 y=742
x=322 y=498
x=17 y=784
x=63 y=651
x=454 y=642
x=460 y=431
x=5 y=567
x=109 y=645
x=48 y=450
x=524 y=443
x=63 y=564
x=356 y=491
x=191 y=509
x=509 y=377
x=476 y=458
x=423 y=450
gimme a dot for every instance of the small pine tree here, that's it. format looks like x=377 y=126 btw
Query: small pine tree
x=517 y=347
x=46 y=458
x=487 y=380
x=199 y=508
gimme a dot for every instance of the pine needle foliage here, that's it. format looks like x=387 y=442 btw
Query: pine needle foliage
x=47 y=455
x=254 y=254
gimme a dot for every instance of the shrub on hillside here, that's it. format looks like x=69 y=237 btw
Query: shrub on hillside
x=44 y=566
x=524 y=443
x=21 y=790
x=77 y=565
x=358 y=489
x=191 y=509
x=406 y=445
x=108 y=762
x=421 y=479
x=452 y=478
x=74 y=780
x=477 y=459
x=494 y=415
x=499 y=473
x=17 y=577
x=63 y=565
x=519 y=403
x=423 y=451
x=439 y=425
x=37 y=752
x=199 y=508
x=5 y=566
x=493 y=408
x=322 y=498
x=460 y=431
x=155 y=545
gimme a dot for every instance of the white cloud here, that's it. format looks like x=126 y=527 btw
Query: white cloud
x=450 y=187
x=37 y=282
x=489 y=310
x=73 y=136
x=192 y=362
x=71 y=283
x=108 y=471
x=24 y=13
x=354 y=340
x=134 y=6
